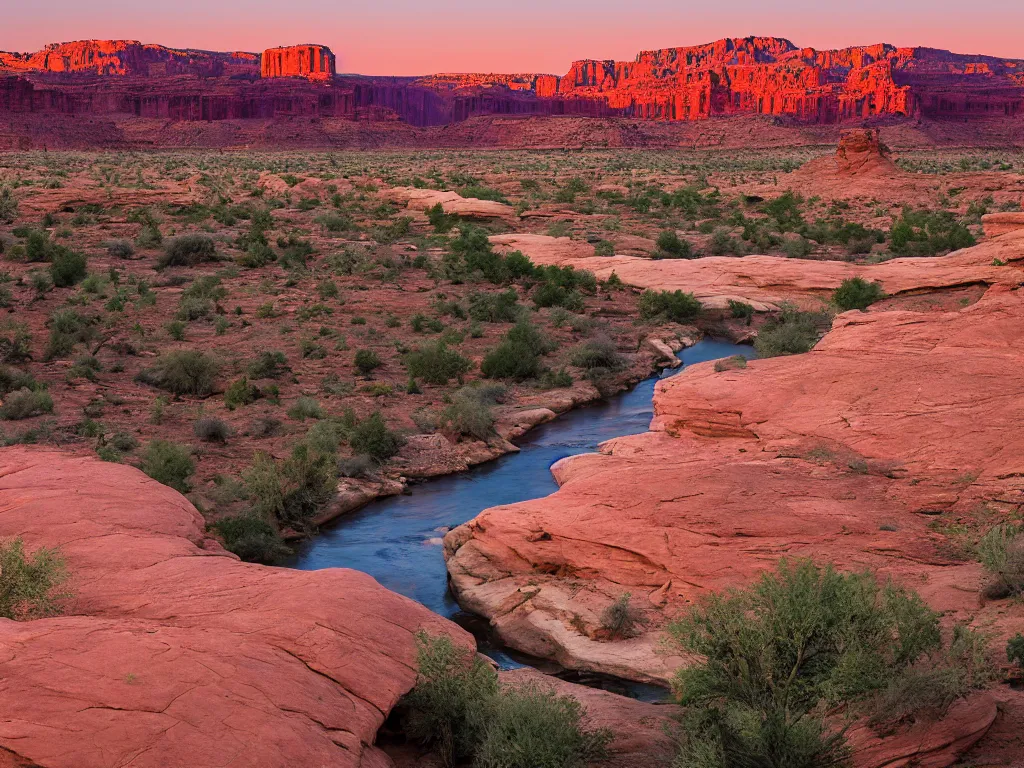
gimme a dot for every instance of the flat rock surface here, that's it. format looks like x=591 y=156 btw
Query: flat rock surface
x=174 y=652
x=765 y=281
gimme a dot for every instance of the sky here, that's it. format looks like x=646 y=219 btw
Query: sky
x=413 y=37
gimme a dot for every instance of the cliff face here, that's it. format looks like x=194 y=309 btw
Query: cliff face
x=313 y=61
x=767 y=75
x=735 y=76
x=128 y=57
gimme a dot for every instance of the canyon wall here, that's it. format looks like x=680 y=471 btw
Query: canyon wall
x=735 y=76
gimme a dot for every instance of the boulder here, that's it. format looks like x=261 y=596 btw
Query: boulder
x=173 y=652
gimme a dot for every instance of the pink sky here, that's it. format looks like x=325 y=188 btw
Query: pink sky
x=416 y=37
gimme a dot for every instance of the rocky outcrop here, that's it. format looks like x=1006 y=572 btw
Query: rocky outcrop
x=996 y=224
x=313 y=61
x=128 y=57
x=766 y=281
x=416 y=199
x=842 y=454
x=173 y=651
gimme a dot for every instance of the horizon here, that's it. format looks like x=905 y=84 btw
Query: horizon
x=400 y=38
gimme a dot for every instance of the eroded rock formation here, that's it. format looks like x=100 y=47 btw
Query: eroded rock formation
x=843 y=454
x=312 y=61
x=734 y=76
x=176 y=653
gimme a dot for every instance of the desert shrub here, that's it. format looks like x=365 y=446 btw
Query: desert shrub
x=469 y=412
x=269 y=365
x=68 y=267
x=252 y=538
x=436 y=364
x=926 y=233
x=494 y=307
x=240 y=392
x=8 y=206
x=621 y=617
x=68 y=328
x=334 y=222
x=26 y=403
x=1015 y=650
x=120 y=249
x=741 y=310
x=599 y=353
x=306 y=408
x=458 y=708
x=797 y=247
x=38 y=246
x=256 y=255
x=182 y=372
x=780 y=652
x=722 y=243
x=1001 y=552
x=199 y=299
x=169 y=463
x=294 y=489
x=188 y=251
x=211 y=429
x=785 y=210
x=554 y=295
x=856 y=293
x=551 y=379
x=511 y=360
x=791 y=333
x=671 y=246
x=371 y=437
x=15 y=342
x=674 y=306
x=441 y=222
x=444 y=708
x=367 y=361
x=12 y=379
x=30 y=584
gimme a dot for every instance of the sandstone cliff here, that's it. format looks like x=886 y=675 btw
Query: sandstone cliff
x=312 y=61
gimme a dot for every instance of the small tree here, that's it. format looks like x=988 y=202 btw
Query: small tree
x=671 y=246
x=367 y=361
x=372 y=437
x=169 y=463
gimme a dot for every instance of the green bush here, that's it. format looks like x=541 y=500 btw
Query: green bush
x=8 y=206
x=458 y=708
x=671 y=246
x=68 y=268
x=494 y=307
x=621 y=617
x=436 y=364
x=211 y=429
x=371 y=437
x=801 y=640
x=68 y=328
x=791 y=333
x=252 y=538
x=120 y=249
x=188 y=251
x=30 y=585
x=511 y=360
x=741 y=310
x=367 y=361
x=269 y=365
x=1001 y=552
x=182 y=372
x=306 y=408
x=926 y=233
x=673 y=306
x=469 y=412
x=169 y=463
x=554 y=295
x=240 y=392
x=294 y=489
x=600 y=353
x=26 y=403
x=856 y=293
x=1015 y=650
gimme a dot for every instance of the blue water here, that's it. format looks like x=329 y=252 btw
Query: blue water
x=397 y=540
